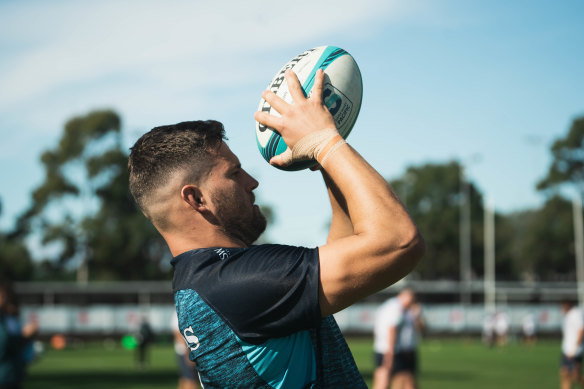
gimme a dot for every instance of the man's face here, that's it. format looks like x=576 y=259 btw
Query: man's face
x=407 y=298
x=232 y=198
x=565 y=307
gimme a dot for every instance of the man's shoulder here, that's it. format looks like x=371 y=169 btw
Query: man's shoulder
x=575 y=315
x=200 y=266
x=230 y=252
x=392 y=305
x=262 y=291
x=390 y=311
x=278 y=248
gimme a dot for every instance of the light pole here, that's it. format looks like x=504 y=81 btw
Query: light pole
x=489 y=277
x=579 y=243
x=465 y=231
x=465 y=239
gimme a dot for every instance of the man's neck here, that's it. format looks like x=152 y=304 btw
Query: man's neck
x=179 y=244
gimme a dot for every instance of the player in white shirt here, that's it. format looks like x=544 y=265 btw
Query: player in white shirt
x=528 y=328
x=501 y=328
x=397 y=323
x=187 y=370
x=572 y=336
x=489 y=329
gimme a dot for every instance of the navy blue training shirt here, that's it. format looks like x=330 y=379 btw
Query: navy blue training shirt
x=251 y=318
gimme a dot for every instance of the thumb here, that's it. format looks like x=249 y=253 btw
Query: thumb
x=283 y=159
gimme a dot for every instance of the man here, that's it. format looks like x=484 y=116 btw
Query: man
x=187 y=370
x=145 y=336
x=261 y=316
x=397 y=322
x=15 y=339
x=489 y=330
x=572 y=336
x=502 y=328
x=528 y=329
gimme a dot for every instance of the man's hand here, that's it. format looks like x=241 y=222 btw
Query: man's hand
x=416 y=310
x=301 y=124
x=388 y=360
x=30 y=329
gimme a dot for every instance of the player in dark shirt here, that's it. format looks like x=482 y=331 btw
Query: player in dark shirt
x=261 y=316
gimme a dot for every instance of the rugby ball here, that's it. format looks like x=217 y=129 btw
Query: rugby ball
x=342 y=94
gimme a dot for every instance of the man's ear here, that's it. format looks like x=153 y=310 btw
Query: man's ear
x=194 y=197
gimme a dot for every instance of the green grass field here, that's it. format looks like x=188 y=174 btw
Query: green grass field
x=444 y=364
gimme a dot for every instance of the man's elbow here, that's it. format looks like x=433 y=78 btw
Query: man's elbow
x=417 y=246
x=413 y=249
x=401 y=257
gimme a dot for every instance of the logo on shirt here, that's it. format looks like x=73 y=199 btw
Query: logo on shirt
x=191 y=339
x=222 y=253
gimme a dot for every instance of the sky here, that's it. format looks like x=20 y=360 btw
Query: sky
x=488 y=83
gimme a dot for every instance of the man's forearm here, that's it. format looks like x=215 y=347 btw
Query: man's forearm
x=384 y=245
x=370 y=201
x=341 y=225
x=388 y=360
x=386 y=365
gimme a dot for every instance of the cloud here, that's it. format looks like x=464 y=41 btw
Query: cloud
x=51 y=45
x=153 y=62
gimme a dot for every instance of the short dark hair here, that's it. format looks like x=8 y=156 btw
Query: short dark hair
x=166 y=149
x=569 y=301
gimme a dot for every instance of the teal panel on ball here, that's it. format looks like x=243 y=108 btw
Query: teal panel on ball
x=329 y=55
x=281 y=147
x=277 y=146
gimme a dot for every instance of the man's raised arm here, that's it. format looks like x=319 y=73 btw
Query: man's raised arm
x=341 y=225
x=385 y=244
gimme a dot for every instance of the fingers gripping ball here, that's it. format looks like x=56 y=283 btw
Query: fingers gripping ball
x=342 y=95
x=315 y=146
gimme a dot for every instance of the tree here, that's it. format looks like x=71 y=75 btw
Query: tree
x=550 y=242
x=15 y=260
x=545 y=241
x=84 y=206
x=432 y=195
x=568 y=159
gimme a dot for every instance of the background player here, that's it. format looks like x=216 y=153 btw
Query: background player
x=187 y=372
x=397 y=324
x=261 y=316
x=572 y=337
x=15 y=339
x=529 y=329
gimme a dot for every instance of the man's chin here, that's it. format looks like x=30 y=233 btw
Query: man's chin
x=257 y=228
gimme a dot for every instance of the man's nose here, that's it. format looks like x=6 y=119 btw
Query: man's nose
x=253 y=183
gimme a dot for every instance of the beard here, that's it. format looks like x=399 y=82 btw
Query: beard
x=238 y=218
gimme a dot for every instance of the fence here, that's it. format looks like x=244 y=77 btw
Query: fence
x=357 y=319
